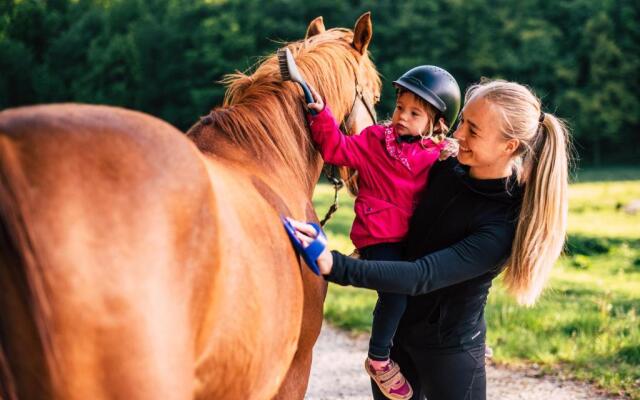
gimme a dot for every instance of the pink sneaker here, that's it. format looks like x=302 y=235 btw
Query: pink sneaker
x=390 y=381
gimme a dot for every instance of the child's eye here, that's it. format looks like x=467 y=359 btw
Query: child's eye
x=415 y=114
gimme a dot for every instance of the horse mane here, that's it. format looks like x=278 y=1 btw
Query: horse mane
x=265 y=116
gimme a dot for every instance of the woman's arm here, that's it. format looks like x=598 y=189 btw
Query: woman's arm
x=480 y=252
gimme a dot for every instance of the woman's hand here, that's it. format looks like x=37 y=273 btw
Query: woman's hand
x=318 y=104
x=307 y=234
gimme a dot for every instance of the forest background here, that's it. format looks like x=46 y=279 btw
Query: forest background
x=165 y=57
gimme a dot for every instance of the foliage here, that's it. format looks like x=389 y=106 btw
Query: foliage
x=165 y=57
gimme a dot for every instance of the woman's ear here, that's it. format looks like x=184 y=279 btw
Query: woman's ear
x=512 y=146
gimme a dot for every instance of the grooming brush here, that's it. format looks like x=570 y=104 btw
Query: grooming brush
x=289 y=72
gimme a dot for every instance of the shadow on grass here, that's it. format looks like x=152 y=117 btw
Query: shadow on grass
x=593 y=245
x=575 y=293
x=591 y=326
x=630 y=354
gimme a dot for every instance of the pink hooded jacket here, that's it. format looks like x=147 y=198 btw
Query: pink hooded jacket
x=391 y=175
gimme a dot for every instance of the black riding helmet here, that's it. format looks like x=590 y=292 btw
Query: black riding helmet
x=436 y=86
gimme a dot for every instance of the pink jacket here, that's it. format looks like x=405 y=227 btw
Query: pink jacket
x=391 y=175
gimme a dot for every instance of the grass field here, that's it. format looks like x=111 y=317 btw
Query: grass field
x=586 y=325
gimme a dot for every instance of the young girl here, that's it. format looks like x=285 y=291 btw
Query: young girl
x=393 y=162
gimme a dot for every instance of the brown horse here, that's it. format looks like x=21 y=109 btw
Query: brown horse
x=129 y=264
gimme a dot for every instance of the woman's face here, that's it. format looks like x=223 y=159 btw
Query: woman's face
x=482 y=146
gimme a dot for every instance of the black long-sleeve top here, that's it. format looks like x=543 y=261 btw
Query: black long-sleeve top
x=459 y=238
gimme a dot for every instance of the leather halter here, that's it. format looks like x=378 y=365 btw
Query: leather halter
x=330 y=169
x=368 y=106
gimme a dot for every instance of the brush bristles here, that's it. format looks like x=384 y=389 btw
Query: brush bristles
x=282 y=63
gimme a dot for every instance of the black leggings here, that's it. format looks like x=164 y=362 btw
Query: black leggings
x=389 y=307
x=453 y=376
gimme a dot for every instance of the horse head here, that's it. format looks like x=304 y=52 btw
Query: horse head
x=264 y=115
x=353 y=101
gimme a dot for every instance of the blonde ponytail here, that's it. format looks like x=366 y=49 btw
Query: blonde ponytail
x=542 y=165
x=542 y=224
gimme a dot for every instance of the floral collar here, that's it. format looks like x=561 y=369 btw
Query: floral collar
x=395 y=149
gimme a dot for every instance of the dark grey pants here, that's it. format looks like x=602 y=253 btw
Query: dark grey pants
x=389 y=307
x=453 y=376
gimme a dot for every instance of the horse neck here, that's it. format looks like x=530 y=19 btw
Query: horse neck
x=265 y=118
x=275 y=140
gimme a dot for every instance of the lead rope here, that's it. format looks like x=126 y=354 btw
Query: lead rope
x=337 y=185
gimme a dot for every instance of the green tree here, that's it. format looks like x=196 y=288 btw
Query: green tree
x=166 y=57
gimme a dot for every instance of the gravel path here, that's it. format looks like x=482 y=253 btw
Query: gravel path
x=337 y=373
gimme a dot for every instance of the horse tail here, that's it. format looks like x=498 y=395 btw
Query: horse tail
x=24 y=371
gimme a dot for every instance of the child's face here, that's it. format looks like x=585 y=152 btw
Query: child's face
x=409 y=117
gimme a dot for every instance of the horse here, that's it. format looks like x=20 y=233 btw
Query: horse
x=138 y=262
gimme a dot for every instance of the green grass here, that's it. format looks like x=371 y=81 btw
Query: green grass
x=587 y=323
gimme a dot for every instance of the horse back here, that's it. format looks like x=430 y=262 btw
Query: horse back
x=106 y=231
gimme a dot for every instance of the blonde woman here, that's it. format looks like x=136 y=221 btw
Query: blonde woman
x=501 y=206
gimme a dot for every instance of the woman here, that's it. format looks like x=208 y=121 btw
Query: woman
x=502 y=205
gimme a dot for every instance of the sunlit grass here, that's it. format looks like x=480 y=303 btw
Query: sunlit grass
x=586 y=324
x=593 y=210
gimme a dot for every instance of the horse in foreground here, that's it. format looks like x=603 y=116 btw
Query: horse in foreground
x=129 y=266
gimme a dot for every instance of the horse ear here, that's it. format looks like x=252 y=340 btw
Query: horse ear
x=316 y=27
x=362 y=33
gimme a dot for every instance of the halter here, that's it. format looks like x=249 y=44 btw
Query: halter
x=359 y=96
x=329 y=169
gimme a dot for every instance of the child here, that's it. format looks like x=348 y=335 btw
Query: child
x=393 y=161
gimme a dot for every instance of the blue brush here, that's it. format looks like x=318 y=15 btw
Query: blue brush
x=289 y=72
x=310 y=253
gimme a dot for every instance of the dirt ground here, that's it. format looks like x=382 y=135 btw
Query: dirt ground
x=337 y=373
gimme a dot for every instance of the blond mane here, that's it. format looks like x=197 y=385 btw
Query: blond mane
x=265 y=116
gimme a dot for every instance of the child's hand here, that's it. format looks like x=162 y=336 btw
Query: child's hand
x=318 y=105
